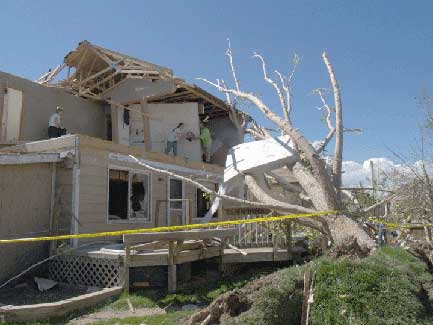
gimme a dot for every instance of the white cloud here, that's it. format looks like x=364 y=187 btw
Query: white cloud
x=355 y=173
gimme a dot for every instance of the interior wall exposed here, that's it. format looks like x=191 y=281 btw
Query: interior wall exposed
x=163 y=118
x=81 y=116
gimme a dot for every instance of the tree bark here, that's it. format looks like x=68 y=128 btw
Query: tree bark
x=257 y=189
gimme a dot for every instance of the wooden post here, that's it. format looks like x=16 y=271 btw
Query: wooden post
x=146 y=125
x=373 y=178
x=289 y=239
x=126 y=268
x=305 y=304
x=171 y=268
x=114 y=124
x=274 y=246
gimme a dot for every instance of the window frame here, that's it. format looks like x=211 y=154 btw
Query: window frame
x=130 y=171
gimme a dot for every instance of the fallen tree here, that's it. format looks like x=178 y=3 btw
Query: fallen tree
x=305 y=162
x=320 y=182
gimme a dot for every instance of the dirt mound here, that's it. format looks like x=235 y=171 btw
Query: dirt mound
x=231 y=304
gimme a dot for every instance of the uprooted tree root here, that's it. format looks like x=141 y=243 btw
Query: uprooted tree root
x=349 y=248
x=424 y=251
x=231 y=303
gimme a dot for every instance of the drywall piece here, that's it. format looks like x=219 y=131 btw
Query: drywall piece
x=44 y=284
x=11 y=115
x=251 y=158
x=259 y=157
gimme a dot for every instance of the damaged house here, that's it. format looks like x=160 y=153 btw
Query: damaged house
x=112 y=166
x=114 y=106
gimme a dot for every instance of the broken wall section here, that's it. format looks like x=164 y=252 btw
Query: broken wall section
x=81 y=116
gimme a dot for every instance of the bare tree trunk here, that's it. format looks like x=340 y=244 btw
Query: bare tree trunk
x=338 y=151
x=258 y=190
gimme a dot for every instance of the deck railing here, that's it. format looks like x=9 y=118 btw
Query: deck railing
x=261 y=234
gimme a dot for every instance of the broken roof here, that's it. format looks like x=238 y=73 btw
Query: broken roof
x=92 y=71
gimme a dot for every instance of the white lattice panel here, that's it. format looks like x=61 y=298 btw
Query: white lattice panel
x=83 y=270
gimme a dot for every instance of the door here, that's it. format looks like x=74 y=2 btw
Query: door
x=10 y=118
x=176 y=203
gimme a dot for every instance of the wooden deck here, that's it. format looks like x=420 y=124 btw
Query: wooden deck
x=177 y=247
x=154 y=257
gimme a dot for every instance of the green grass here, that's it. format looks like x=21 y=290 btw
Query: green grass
x=137 y=300
x=386 y=288
x=167 y=319
x=389 y=287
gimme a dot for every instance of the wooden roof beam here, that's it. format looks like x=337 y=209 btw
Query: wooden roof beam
x=103 y=57
x=95 y=75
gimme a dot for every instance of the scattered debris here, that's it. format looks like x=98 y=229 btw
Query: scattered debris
x=92 y=289
x=45 y=284
x=143 y=284
x=130 y=306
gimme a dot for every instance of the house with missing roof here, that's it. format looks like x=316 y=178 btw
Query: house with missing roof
x=111 y=172
x=85 y=182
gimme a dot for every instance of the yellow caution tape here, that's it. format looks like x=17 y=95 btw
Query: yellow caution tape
x=168 y=228
x=398 y=225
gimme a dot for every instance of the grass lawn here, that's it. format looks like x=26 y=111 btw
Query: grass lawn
x=168 y=319
x=389 y=287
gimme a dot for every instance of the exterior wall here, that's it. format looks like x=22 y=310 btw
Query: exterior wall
x=25 y=192
x=81 y=116
x=94 y=166
x=64 y=190
x=93 y=192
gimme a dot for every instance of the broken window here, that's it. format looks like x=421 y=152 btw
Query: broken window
x=140 y=196
x=118 y=195
x=204 y=202
x=128 y=196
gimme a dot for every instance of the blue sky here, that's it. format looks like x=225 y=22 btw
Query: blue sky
x=382 y=51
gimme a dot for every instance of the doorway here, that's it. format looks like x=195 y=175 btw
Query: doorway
x=176 y=215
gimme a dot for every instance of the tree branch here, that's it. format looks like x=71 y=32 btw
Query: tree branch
x=233 y=114
x=287 y=86
x=232 y=66
x=338 y=151
x=328 y=116
x=310 y=154
x=277 y=206
x=274 y=84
